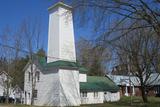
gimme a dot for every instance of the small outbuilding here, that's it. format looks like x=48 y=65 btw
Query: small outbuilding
x=98 y=90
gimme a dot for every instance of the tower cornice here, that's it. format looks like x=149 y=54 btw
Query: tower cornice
x=60 y=4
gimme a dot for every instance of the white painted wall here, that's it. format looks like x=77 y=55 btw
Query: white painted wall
x=69 y=87
x=28 y=85
x=47 y=88
x=82 y=78
x=3 y=85
x=61 y=35
x=1 y=90
x=55 y=88
x=90 y=99
x=53 y=36
x=67 y=43
x=111 y=97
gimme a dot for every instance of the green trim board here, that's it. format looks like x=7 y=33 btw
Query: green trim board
x=97 y=83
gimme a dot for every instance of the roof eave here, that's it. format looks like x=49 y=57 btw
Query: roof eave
x=60 y=4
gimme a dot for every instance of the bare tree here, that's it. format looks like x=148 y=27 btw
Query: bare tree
x=11 y=44
x=7 y=53
x=25 y=40
x=93 y=56
x=31 y=32
x=140 y=50
x=138 y=43
x=99 y=13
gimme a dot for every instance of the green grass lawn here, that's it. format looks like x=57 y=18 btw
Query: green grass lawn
x=137 y=102
x=130 y=102
x=124 y=102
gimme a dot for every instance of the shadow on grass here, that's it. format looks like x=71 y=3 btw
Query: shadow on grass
x=137 y=102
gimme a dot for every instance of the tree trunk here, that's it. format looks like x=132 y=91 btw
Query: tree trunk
x=31 y=68
x=144 y=95
x=33 y=83
x=7 y=96
x=7 y=90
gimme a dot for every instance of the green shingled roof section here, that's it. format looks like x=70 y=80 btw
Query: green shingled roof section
x=62 y=64
x=97 y=83
x=83 y=70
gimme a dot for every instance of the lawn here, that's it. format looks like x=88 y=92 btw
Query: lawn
x=124 y=102
x=131 y=102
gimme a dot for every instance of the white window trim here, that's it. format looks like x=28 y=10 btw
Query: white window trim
x=37 y=77
x=95 y=95
x=84 y=94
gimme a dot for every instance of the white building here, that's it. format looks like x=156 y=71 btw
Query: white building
x=127 y=82
x=13 y=92
x=4 y=77
x=60 y=80
x=130 y=85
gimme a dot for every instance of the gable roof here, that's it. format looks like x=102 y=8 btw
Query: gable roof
x=154 y=79
x=5 y=74
x=123 y=80
x=97 y=83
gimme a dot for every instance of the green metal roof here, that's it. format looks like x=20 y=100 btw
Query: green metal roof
x=62 y=64
x=97 y=83
x=83 y=70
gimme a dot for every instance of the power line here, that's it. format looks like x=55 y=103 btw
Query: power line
x=25 y=51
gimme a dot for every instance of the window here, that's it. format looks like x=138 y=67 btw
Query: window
x=29 y=95
x=25 y=93
x=35 y=93
x=95 y=94
x=37 y=75
x=83 y=94
x=29 y=76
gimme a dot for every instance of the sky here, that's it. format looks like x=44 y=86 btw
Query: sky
x=13 y=12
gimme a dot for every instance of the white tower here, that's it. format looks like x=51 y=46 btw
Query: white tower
x=61 y=45
x=58 y=85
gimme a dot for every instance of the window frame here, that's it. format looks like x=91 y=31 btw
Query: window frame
x=95 y=94
x=84 y=94
x=37 y=75
x=29 y=76
x=35 y=94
